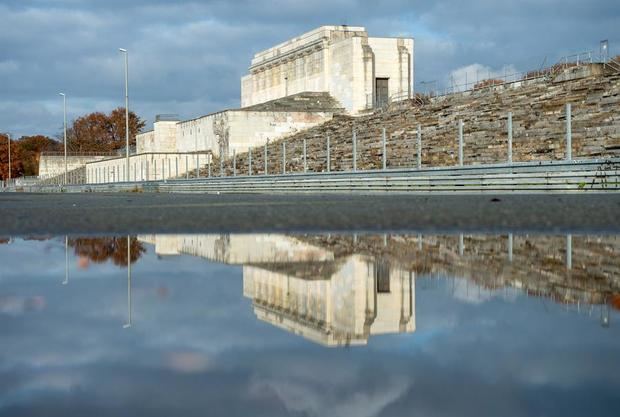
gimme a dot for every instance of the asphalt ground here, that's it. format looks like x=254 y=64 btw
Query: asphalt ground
x=24 y=214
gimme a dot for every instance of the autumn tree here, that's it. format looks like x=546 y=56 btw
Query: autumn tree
x=25 y=154
x=101 y=132
x=100 y=250
x=29 y=151
x=17 y=167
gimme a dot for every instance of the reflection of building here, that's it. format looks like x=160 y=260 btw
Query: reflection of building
x=304 y=289
x=238 y=249
x=357 y=299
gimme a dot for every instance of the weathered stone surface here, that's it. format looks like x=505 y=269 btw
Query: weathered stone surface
x=538 y=126
x=342 y=61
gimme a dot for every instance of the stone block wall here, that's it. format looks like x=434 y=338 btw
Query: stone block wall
x=538 y=108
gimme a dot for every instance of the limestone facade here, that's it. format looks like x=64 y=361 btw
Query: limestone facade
x=302 y=288
x=359 y=71
x=236 y=131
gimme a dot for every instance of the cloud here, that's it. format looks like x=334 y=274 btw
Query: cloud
x=187 y=56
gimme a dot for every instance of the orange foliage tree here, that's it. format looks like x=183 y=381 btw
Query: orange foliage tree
x=25 y=154
x=100 y=132
x=100 y=250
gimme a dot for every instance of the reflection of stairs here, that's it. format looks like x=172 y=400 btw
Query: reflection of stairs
x=613 y=65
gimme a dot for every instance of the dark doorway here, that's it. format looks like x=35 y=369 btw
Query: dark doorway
x=381 y=92
x=382 y=275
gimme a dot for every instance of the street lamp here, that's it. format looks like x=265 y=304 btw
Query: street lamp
x=8 y=135
x=124 y=51
x=64 y=107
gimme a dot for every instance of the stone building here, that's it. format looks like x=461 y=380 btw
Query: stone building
x=290 y=88
x=293 y=86
x=359 y=71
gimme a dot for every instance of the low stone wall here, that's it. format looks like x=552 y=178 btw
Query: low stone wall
x=54 y=165
x=145 y=167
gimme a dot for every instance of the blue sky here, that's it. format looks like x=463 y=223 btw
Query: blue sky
x=187 y=56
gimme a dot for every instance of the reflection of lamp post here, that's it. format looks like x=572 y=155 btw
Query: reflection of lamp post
x=128 y=324
x=569 y=251
x=605 y=314
x=66 y=281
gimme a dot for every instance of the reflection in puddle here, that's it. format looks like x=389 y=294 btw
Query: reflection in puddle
x=527 y=322
x=337 y=290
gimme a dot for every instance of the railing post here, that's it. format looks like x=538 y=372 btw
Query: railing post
x=510 y=247
x=221 y=165
x=176 y=169
x=234 y=162
x=283 y=157
x=569 y=133
x=354 y=150
x=510 y=137
x=187 y=166
x=197 y=165
x=419 y=147
x=384 y=156
x=266 y=154
x=460 y=142
x=249 y=161
x=155 y=168
x=329 y=159
x=305 y=158
x=209 y=166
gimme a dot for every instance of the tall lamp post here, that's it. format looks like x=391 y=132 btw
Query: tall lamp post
x=124 y=51
x=8 y=136
x=64 y=127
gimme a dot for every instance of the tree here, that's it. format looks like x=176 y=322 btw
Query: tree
x=29 y=151
x=16 y=164
x=100 y=250
x=25 y=154
x=100 y=132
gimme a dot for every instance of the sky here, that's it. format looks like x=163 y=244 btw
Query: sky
x=196 y=348
x=187 y=56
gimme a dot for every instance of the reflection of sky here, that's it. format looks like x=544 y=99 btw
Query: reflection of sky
x=197 y=349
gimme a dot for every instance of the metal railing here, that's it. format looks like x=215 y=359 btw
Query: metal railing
x=79 y=153
x=491 y=81
x=551 y=176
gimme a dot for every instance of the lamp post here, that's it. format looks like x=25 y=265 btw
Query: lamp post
x=124 y=51
x=64 y=128
x=8 y=136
